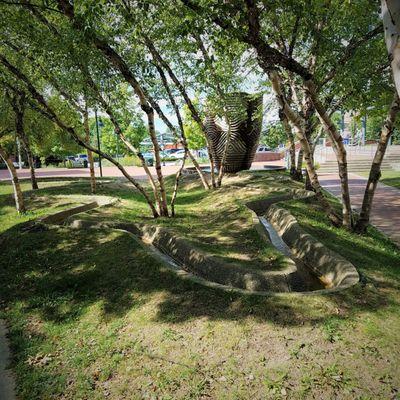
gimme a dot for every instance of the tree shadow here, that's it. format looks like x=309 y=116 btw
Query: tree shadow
x=59 y=272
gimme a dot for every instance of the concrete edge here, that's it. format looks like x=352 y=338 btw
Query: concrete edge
x=331 y=268
x=171 y=265
x=196 y=262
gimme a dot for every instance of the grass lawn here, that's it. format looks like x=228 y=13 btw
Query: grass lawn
x=92 y=315
x=391 y=178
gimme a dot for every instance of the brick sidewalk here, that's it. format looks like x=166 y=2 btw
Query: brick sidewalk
x=385 y=214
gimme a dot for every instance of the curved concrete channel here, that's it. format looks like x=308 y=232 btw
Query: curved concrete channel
x=309 y=267
x=302 y=279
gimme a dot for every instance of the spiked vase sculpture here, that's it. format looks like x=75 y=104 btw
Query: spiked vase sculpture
x=244 y=113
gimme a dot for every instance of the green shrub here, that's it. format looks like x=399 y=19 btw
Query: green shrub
x=126 y=161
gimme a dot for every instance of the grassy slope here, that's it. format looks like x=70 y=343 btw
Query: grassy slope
x=391 y=178
x=92 y=315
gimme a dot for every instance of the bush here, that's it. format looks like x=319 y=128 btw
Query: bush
x=169 y=159
x=126 y=161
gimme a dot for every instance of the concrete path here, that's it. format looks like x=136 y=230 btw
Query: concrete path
x=6 y=379
x=385 y=214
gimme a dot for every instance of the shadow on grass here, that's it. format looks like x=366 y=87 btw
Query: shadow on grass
x=59 y=273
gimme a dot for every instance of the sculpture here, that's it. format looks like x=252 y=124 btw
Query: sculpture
x=244 y=112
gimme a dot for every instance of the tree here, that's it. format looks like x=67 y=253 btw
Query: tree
x=194 y=134
x=18 y=104
x=375 y=172
x=6 y=142
x=135 y=131
x=391 y=23
x=52 y=115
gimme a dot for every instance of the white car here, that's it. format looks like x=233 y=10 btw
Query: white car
x=179 y=155
x=78 y=161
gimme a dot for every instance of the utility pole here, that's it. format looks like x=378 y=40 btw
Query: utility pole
x=98 y=140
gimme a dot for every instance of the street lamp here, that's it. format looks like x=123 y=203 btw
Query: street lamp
x=364 y=129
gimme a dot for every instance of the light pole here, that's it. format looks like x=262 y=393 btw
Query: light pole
x=19 y=154
x=162 y=148
x=99 y=124
x=364 y=129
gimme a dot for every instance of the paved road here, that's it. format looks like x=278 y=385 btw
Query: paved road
x=385 y=214
x=136 y=172
x=6 y=379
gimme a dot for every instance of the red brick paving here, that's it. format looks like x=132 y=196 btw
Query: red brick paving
x=136 y=172
x=385 y=214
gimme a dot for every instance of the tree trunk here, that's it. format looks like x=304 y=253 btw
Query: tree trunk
x=339 y=149
x=150 y=117
x=298 y=124
x=208 y=61
x=89 y=153
x=182 y=136
x=18 y=196
x=50 y=114
x=18 y=105
x=117 y=128
x=31 y=164
x=177 y=177
x=226 y=149
x=292 y=147
x=292 y=155
x=299 y=165
x=391 y=24
x=309 y=110
x=375 y=172
x=212 y=163
x=195 y=115
x=119 y=63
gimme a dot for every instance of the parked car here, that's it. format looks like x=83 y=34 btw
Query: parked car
x=169 y=152
x=263 y=149
x=202 y=153
x=75 y=162
x=149 y=158
x=83 y=158
x=178 y=155
x=53 y=160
